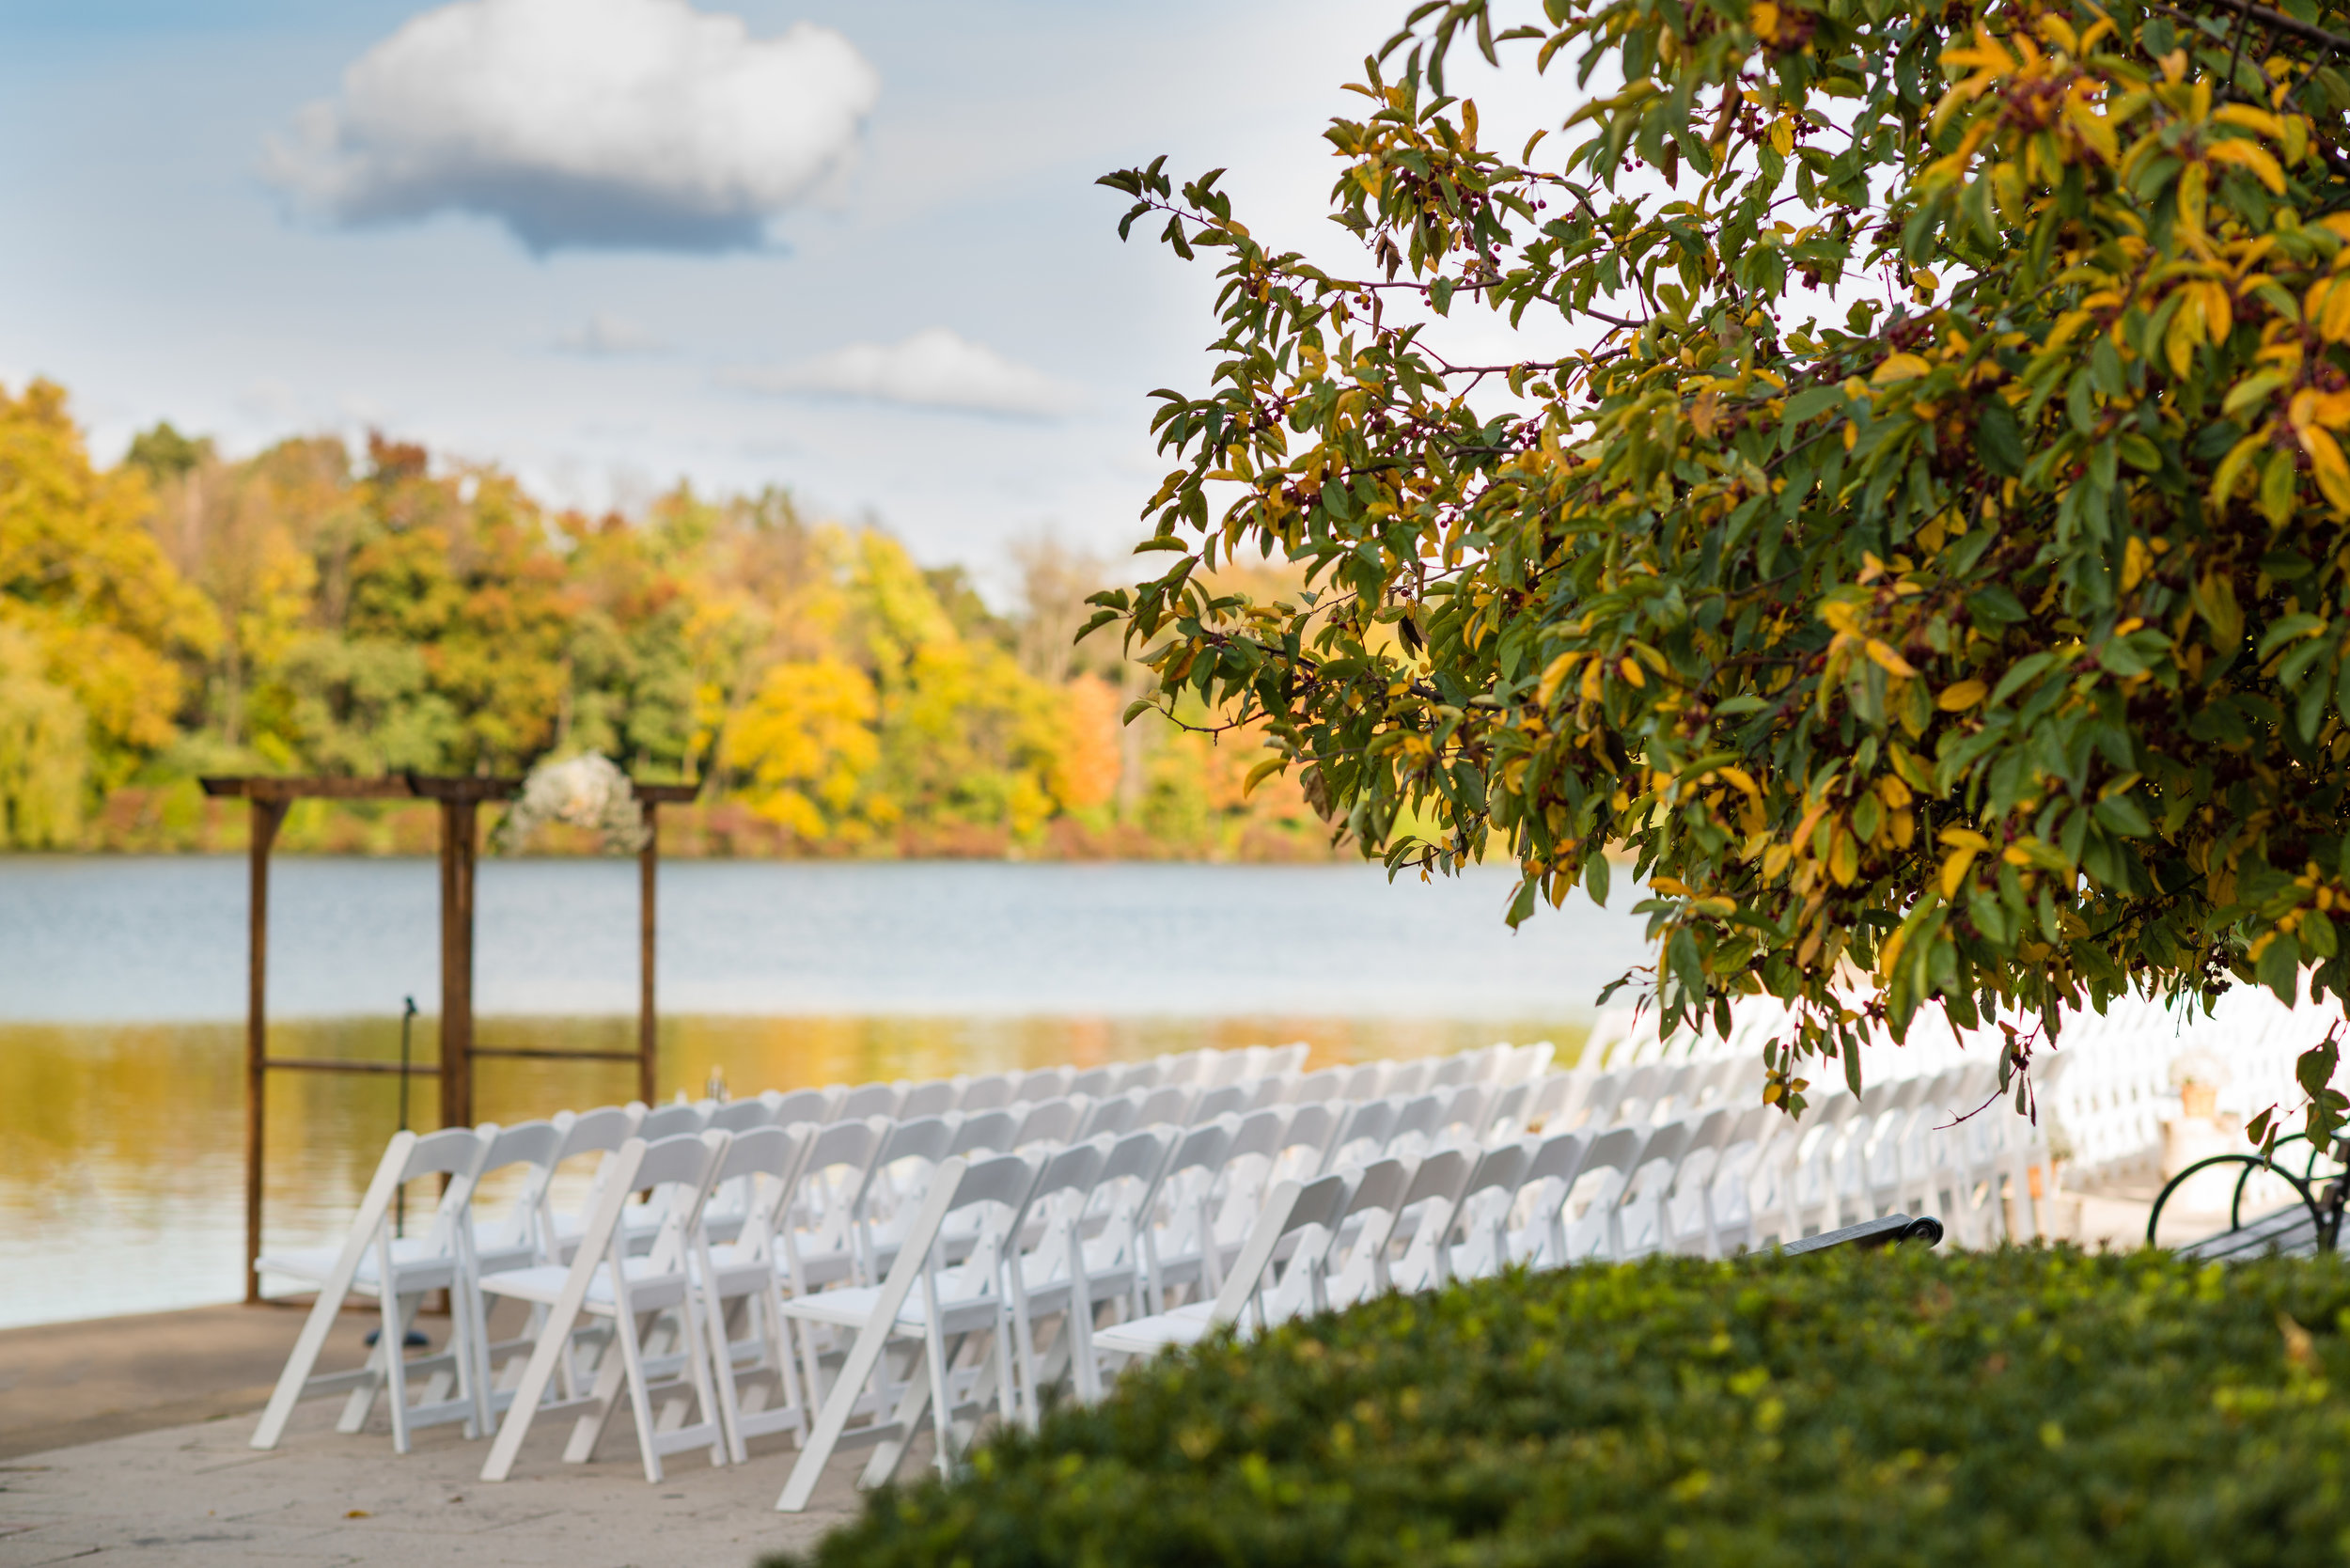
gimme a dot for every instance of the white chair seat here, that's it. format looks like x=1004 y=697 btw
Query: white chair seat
x=1181 y=1325
x=542 y=1284
x=413 y=1260
x=852 y=1307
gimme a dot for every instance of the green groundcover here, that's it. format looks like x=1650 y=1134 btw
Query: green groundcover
x=2017 y=1408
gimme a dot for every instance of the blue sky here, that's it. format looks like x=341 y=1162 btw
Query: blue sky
x=162 y=265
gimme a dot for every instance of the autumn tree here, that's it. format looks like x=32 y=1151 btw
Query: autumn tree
x=96 y=622
x=1933 y=566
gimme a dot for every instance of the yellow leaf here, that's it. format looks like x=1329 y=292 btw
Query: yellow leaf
x=1843 y=858
x=1882 y=655
x=1555 y=675
x=1631 y=669
x=2325 y=462
x=2231 y=466
x=1959 y=698
x=1899 y=367
x=1955 y=867
x=1893 y=791
x=1965 y=838
x=2252 y=156
x=1775 y=860
x=2136 y=557
x=1741 y=778
x=2194 y=190
x=1671 y=887
x=1259 y=773
x=2092 y=129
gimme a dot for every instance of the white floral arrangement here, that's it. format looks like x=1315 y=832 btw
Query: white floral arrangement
x=584 y=791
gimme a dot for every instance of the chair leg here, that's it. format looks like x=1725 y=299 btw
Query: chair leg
x=729 y=1396
x=611 y=1371
x=639 y=1402
x=698 y=1352
x=296 y=1375
x=941 y=1410
x=394 y=1345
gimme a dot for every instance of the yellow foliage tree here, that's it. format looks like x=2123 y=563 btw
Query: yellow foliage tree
x=86 y=584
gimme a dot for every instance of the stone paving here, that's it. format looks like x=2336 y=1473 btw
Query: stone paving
x=195 y=1496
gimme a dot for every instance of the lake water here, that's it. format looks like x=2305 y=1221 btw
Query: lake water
x=122 y=999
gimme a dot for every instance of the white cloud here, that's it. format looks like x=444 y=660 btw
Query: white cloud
x=604 y=335
x=933 y=369
x=585 y=123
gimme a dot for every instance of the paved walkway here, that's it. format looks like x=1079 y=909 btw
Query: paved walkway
x=124 y=1440
x=195 y=1497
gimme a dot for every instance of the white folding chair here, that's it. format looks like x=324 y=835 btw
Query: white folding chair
x=606 y=1282
x=741 y=1288
x=396 y=1271
x=1356 y=1263
x=1643 y=1224
x=987 y=1131
x=1481 y=1214
x=1591 y=1221
x=1048 y=1277
x=1181 y=1252
x=936 y=1305
x=1423 y=1219
x=1251 y=1296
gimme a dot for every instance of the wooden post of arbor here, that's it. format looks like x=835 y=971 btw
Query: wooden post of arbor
x=651 y=797
x=460 y=800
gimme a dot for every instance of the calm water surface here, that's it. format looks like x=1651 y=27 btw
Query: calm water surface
x=122 y=993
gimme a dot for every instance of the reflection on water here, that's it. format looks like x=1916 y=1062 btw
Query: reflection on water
x=122 y=989
x=123 y=1186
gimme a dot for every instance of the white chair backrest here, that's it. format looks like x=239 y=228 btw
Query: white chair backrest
x=1115 y=1115
x=538 y=1145
x=668 y=1122
x=1370 y=1123
x=1327 y=1084
x=832 y=1177
x=1410 y=1079
x=1365 y=1081
x=1169 y=1102
x=1050 y=1121
x=818 y=1105
x=1425 y=1213
x=741 y=1116
x=1099 y=1083
x=1288 y=1059
x=991 y=1091
x=768 y=1159
x=1229 y=1100
x=934 y=1097
x=1045 y=1083
x=1357 y=1259
x=991 y=1132
x=868 y=1100
x=687 y=1166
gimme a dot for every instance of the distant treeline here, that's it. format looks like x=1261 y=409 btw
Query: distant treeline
x=310 y=611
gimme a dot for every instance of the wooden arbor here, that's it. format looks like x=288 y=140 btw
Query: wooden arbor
x=460 y=800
